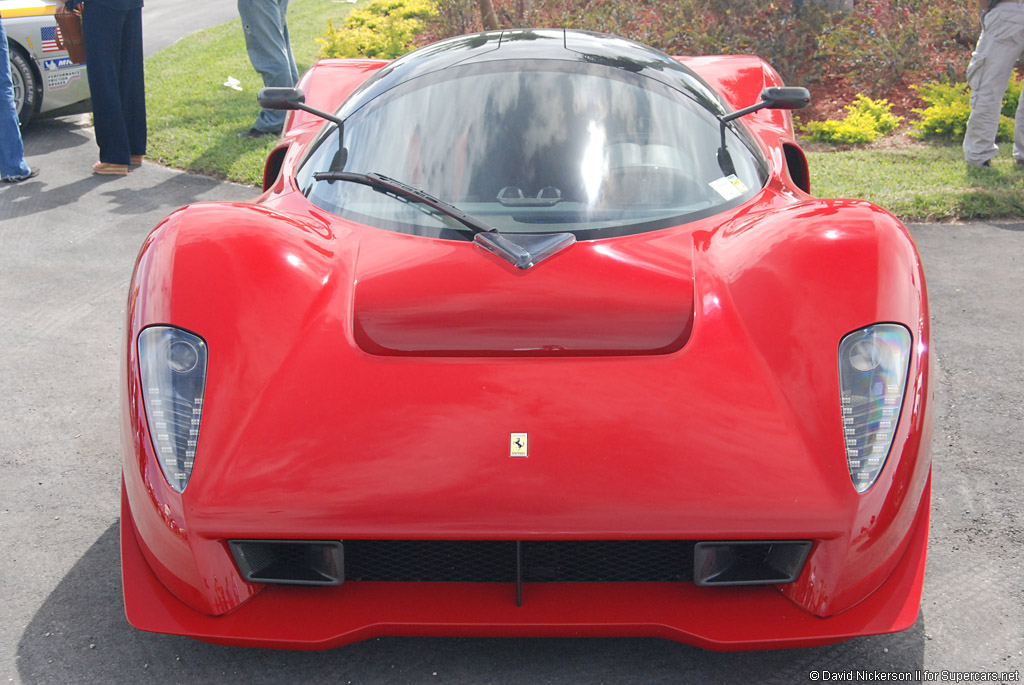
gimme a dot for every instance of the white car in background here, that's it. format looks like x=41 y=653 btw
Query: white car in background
x=45 y=79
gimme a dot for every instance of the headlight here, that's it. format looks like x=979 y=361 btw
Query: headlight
x=873 y=367
x=172 y=366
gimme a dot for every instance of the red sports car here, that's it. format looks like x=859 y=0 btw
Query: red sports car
x=531 y=332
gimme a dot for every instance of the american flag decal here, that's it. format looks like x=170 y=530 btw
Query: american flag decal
x=49 y=38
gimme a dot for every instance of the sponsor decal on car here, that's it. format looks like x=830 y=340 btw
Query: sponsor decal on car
x=50 y=36
x=55 y=80
x=58 y=63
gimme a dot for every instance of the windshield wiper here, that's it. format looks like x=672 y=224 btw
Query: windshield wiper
x=521 y=249
x=387 y=184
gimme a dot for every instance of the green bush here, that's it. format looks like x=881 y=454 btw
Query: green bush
x=946 y=116
x=454 y=18
x=875 y=46
x=866 y=120
x=1011 y=97
x=380 y=28
x=785 y=33
x=949 y=107
x=879 y=42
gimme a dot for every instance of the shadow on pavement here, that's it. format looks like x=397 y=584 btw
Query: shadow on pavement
x=59 y=133
x=32 y=197
x=67 y=192
x=80 y=635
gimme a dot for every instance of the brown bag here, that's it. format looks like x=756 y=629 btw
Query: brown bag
x=69 y=37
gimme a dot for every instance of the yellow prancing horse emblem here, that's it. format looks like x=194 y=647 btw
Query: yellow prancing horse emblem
x=517 y=446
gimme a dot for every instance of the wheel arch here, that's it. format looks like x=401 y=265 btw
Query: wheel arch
x=22 y=62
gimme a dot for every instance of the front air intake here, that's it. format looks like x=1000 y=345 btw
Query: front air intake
x=331 y=562
x=290 y=562
x=756 y=562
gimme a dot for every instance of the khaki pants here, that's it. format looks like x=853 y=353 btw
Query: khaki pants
x=1000 y=45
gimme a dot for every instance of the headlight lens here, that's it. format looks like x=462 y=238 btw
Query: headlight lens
x=873 y=367
x=172 y=366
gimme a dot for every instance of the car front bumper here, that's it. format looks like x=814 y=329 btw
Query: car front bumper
x=720 y=618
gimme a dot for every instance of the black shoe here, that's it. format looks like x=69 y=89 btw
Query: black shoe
x=18 y=179
x=256 y=133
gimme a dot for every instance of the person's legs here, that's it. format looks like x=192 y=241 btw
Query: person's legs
x=133 y=83
x=102 y=31
x=292 y=68
x=1000 y=44
x=1018 y=131
x=270 y=53
x=12 y=151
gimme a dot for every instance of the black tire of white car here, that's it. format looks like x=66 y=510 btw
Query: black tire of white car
x=28 y=87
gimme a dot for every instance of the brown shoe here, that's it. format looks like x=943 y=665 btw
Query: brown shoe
x=110 y=169
x=136 y=160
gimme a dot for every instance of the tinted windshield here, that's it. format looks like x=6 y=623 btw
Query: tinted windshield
x=536 y=147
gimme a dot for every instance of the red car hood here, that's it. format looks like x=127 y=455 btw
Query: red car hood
x=629 y=297
x=354 y=384
x=360 y=382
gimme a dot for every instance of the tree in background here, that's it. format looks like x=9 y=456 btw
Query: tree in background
x=876 y=45
x=487 y=15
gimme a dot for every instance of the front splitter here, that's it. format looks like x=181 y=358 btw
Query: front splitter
x=723 y=618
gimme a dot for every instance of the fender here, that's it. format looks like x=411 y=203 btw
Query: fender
x=753 y=266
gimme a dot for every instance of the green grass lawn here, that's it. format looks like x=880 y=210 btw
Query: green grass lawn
x=194 y=121
x=922 y=182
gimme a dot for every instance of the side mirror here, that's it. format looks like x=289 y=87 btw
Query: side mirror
x=290 y=98
x=786 y=98
x=778 y=97
x=280 y=98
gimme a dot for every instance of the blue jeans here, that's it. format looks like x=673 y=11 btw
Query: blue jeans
x=266 y=40
x=12 y=152
x=113 y=42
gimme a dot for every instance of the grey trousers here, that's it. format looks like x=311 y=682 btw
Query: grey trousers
x=265 y=25
x=1000 y=45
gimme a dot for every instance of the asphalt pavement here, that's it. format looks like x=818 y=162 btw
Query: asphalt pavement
x=68 y=240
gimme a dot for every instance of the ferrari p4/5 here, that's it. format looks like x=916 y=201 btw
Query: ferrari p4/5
x=533 y=332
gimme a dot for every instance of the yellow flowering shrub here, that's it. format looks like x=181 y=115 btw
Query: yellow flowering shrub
x=381 y=28
x=866 y=120
x=949 y=107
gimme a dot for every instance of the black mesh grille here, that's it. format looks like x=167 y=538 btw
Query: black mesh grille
x=579 y=561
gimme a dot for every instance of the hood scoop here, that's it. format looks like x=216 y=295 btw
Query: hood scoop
x=439 y=298
x=524 y=249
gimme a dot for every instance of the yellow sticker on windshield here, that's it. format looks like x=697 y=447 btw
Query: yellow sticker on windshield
x=729 y=187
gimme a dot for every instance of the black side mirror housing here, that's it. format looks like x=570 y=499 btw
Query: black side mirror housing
x=786 y=97
x=290 y=98
x=776 y=97
x=280 y=98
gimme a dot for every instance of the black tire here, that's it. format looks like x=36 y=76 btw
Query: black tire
x=28 y=87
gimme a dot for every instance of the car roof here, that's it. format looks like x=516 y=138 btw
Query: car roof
x=11 y=9
x=524 y=45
